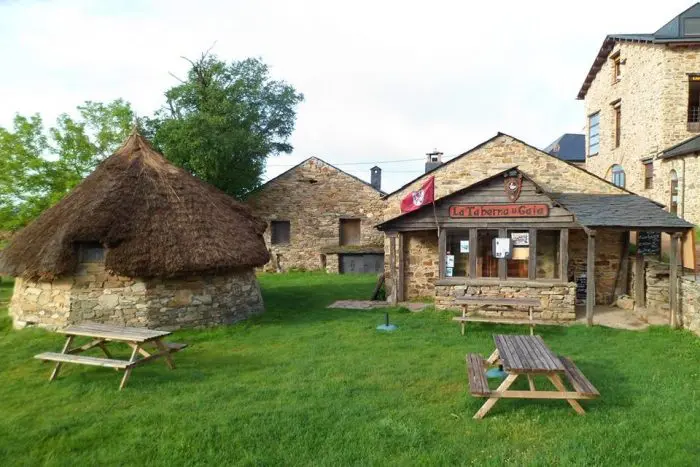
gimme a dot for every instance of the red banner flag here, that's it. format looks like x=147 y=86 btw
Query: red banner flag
x=417 y=199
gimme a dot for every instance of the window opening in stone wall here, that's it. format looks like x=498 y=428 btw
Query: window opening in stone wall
x=694 y=103
x=280 y=232
x=548 y=254
x=617 y=112
x=648 y=175
x=519 y=260
x=350 y=230
x=486 y=264
x=616 y=67
x=618 y=176
x=91 y=252
x=594 y=134
x=674 y=192
x=457 y=255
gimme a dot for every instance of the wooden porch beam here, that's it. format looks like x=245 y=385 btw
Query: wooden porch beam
x=392 y=268
x=673 y=280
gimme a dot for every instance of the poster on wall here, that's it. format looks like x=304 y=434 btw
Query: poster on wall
x=501 y=247
x=450 y=261
x=464 y=246
x=581 y=289
x=449 y=272
x=520 y=238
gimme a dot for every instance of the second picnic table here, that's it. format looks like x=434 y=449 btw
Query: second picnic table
x=528 y=356
x=146 y=345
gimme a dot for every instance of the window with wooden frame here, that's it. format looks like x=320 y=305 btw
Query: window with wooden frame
x=694 y=102
x=280 y=232
x=537 y=254
x=594 y=134
x=616 y=67
x=350 y=231
x=617 y=175
x=617 y=118
x=648 y=175
x=674 y=192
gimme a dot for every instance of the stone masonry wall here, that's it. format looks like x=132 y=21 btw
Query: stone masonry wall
x=653 y=92
x=422 y=264
x=93 y=294
x=313 y=197
x=557 y=299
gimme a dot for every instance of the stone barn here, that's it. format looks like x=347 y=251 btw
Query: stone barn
x=139 y=242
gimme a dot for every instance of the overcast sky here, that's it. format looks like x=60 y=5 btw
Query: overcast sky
x=383 y=81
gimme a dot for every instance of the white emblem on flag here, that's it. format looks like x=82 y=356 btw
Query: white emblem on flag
x=418 y=197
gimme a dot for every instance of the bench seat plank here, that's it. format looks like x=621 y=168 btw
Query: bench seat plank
x=500 y=320
x=83 y=360
x=579 y=382
x=478 y=384
x=496 y=301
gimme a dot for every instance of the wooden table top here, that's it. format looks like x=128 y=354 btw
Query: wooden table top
x=113 y=332
x=526 y=354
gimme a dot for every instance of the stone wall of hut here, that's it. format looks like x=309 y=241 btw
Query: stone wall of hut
x=93 y=294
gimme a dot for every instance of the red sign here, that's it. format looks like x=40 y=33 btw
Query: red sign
x=499 y=210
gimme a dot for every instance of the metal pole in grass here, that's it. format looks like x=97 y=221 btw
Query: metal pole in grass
x=386 y=326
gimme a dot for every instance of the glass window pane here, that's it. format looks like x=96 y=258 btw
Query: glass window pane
x=519 y=261
x=457 y=255
x=486 y=264
x=692 y=26
x=548 y=254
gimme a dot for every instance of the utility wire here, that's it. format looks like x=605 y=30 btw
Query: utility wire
x=353 y=163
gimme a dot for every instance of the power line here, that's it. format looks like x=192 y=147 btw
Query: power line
x=353 y=163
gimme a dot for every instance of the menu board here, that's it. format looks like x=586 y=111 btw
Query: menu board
x=649 y=243
x=581 y=288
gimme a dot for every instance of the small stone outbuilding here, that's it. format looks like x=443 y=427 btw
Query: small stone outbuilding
x=139 y=242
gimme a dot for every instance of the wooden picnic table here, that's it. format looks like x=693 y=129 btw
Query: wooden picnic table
x=528 y=356
x=484 y=300
x=146 y=345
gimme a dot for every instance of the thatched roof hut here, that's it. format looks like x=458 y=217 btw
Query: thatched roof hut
x=154 y=219
x=158 y=228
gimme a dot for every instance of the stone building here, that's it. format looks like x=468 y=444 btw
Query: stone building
x=553 y=216
x=139 y=242
x=642 y=107
x=321 y=217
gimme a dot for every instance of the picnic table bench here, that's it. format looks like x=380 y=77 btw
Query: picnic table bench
x=482 y=300
x=146 y=345
x=529 y=356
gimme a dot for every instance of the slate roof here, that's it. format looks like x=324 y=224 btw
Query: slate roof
x=624 y=211
x=688 y=146
x=671 y=32
x=569 y=147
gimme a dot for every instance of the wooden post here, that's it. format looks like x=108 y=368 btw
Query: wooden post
x=564 y=255
x=639 y=281
x=673 y=279
x=401 y=276
x=502 y=262
x=442 y=251
x=532 y=262
x=590 y=277
x=472 y=253
x=392 y=268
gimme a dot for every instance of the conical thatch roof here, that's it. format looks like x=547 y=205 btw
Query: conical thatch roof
x=156 y=220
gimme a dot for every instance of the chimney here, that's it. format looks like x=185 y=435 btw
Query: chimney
x=433 y=161
x=376 y=178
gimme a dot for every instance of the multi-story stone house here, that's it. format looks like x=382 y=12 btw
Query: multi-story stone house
x=320 y=217
x=642 y=104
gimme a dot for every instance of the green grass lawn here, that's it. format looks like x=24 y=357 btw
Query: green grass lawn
x=303 y=385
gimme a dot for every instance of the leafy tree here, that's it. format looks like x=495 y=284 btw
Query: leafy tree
x=38 y=166
x=224 y=120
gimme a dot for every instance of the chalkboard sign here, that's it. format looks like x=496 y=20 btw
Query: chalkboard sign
x=649 y=243
x=581 y=287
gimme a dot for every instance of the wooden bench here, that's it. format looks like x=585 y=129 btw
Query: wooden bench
x=478 y=384
x=480 y=300
x=82 y=359
x=577 y=379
